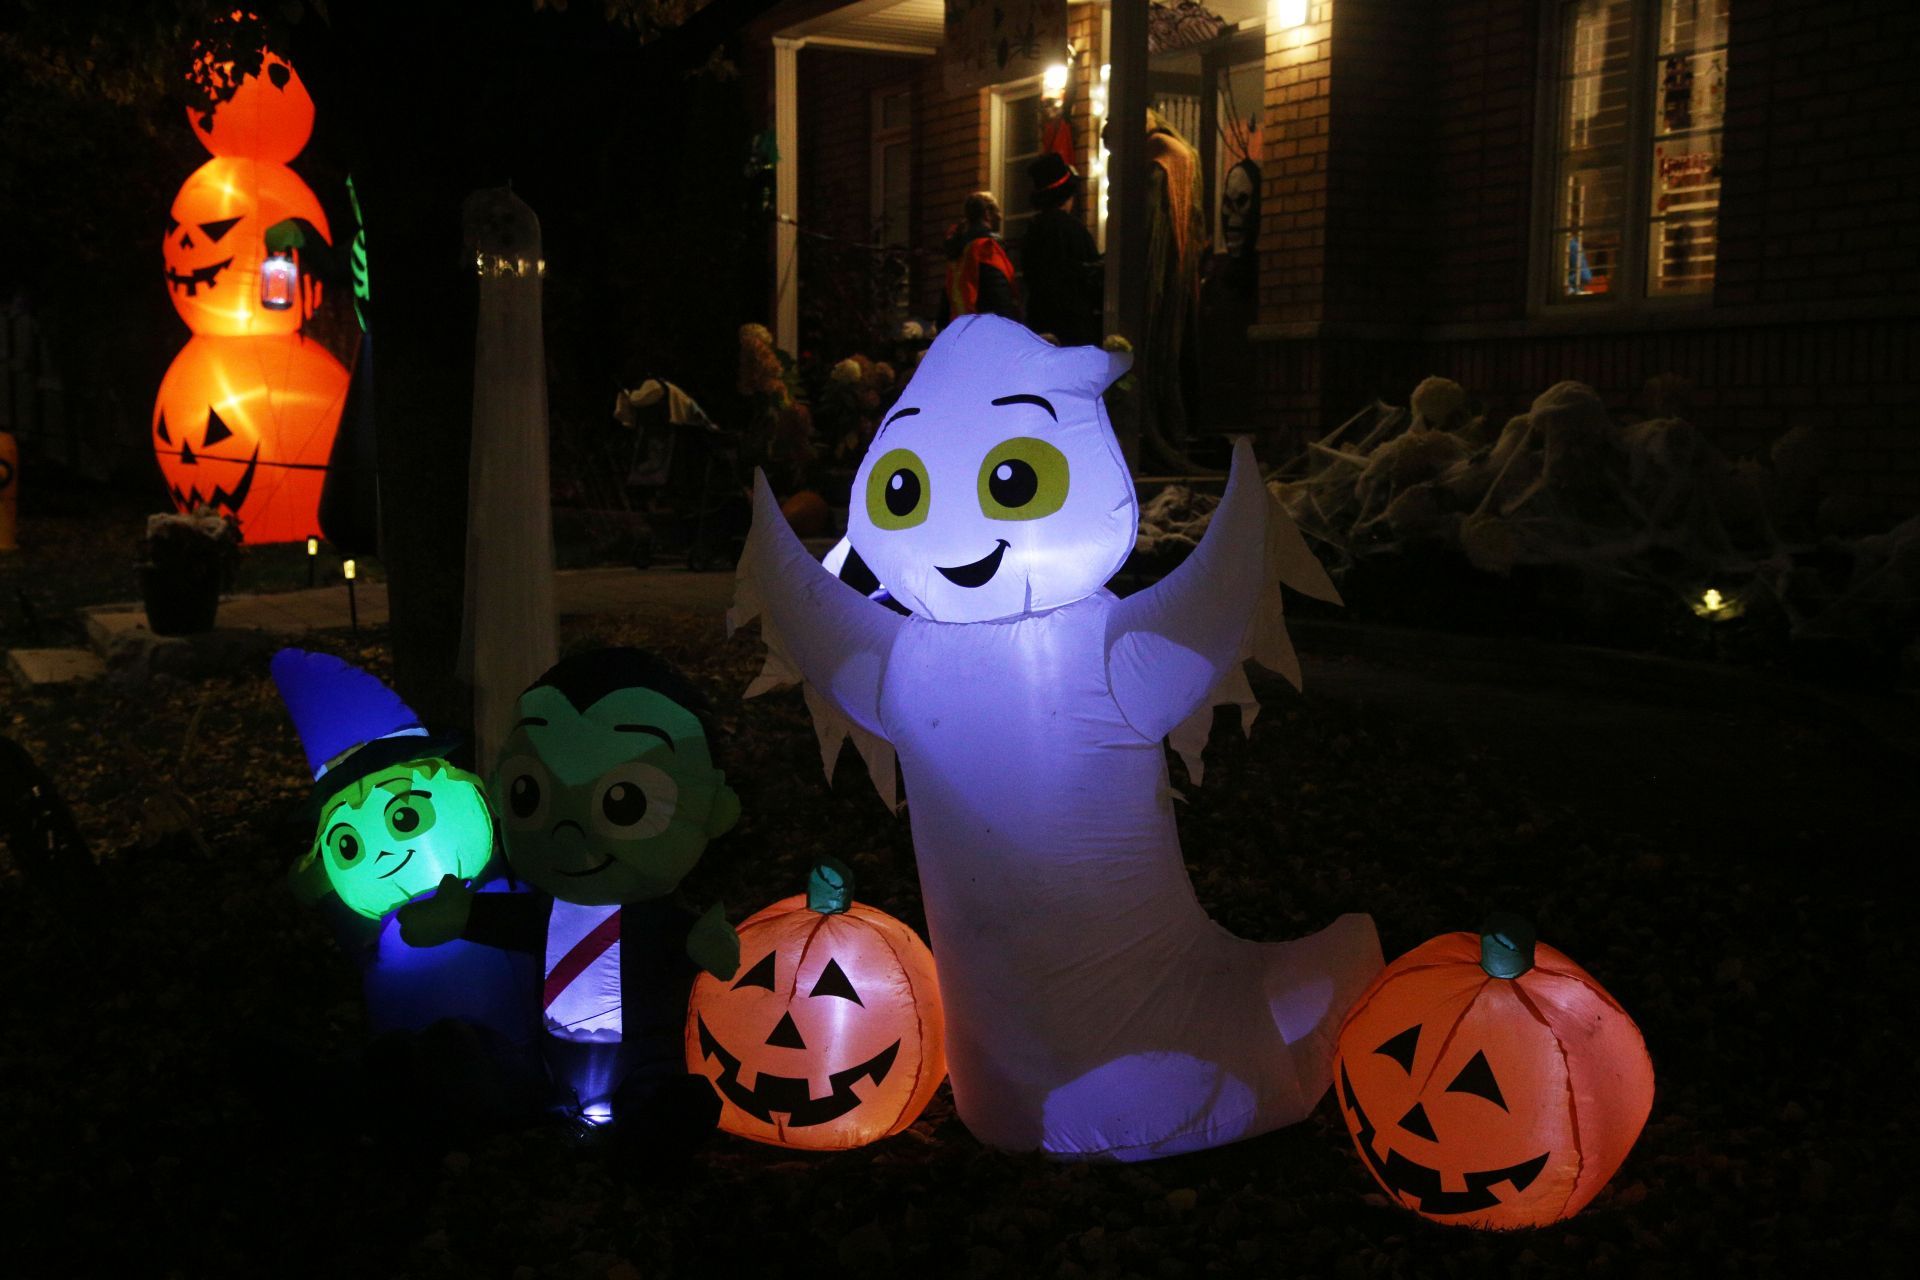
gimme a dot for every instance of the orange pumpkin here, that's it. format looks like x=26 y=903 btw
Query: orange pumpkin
x=830 y=1036
x=269 y=117
x=1489 y=1081
x=217 y=238
x=245 y=425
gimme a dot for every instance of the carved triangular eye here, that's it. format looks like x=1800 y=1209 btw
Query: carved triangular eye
x=217 y=230
x=166 y=436
x=833 y=982
x=1401 y=1048
x=216 y=430
x=1477 y=1078
x=761 y=975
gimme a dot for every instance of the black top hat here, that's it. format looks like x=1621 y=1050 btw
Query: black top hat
x=1053 y=179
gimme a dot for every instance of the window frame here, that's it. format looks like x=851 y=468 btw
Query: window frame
x=999 y=96
x=1630 y=294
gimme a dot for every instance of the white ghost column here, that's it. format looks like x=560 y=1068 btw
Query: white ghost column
x=1093 y=1009
x=508 y=635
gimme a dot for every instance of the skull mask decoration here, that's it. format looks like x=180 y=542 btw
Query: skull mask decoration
x=1240 y=209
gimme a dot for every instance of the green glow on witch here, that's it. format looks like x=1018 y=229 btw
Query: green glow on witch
x=390 y=836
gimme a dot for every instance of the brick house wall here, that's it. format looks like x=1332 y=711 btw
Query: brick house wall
x=1398 y=220
x=1379 y=111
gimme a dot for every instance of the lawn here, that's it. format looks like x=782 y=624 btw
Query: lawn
x=185 y=1093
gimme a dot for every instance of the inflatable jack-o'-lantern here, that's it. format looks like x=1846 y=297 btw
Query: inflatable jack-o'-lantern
x=247 y=414
x=216 y=243
x=9 y=490
x=1490 y=1082
x=830 y=1036
x=244 y=425
x=269 y=117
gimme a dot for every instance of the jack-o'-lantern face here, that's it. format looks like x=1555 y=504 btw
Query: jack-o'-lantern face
x=1491 y=1082
x=245 y=427
x=995 y=487
x=831 y=1034
x=1436 y=1128
x=217 y=239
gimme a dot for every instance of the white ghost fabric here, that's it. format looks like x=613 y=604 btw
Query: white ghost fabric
x=1093 y=1009
x=508 y=632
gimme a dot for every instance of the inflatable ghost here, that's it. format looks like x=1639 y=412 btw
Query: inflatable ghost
x=1093 y=1009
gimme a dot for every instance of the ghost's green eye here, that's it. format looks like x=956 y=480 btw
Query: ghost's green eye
x=1023 y=479
x=410 y=814
x=344 y=845
x=898 y=493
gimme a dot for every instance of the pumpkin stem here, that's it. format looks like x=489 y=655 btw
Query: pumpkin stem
x=1506 y=945
x=829 y=887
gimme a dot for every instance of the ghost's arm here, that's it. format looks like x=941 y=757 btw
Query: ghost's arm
x=1172 y=647
x=816 y=627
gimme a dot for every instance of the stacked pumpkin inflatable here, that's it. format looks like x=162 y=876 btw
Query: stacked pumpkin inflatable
x=246 y=415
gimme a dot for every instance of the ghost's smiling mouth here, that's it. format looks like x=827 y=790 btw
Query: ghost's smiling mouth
x=977 y=574
x=192 y=281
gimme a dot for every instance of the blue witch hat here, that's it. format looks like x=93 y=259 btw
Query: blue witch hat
x=350 y=724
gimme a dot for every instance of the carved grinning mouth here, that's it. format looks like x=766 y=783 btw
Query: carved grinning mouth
x=192 y=281
x=1422 y=1184
x=221 y=499
x=977 y=574
x=792 y=1096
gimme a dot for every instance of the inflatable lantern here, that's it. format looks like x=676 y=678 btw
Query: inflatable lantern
x=246 y=415
x=1490 y=1082
x=607 y=799
x=831 y=1036
x=1092 y=1007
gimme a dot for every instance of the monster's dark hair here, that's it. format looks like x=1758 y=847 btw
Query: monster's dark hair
x=585 y=678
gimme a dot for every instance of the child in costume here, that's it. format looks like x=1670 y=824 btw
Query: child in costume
x=607 y=797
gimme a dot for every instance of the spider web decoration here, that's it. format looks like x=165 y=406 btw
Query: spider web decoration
x=1181 y=26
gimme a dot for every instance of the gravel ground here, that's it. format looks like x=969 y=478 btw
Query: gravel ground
x=180 y=1046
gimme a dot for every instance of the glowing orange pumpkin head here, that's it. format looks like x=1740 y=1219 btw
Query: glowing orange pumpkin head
x=269 y=117
x=830 y=1036
x=217 y=238
x=245 y=426
x=1489 y=1081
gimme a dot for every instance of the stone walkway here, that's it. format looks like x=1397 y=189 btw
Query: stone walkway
x=294 y=613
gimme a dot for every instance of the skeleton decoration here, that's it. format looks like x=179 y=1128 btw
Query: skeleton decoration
x=246 y=415
x=1240 y=209
x=1093 y=1009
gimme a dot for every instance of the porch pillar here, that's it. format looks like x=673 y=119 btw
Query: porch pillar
x=1126 y=301
x=786 y=203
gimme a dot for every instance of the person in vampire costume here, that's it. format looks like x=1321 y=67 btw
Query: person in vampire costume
x=607 y=796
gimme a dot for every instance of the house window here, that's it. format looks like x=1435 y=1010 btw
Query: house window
x=1640 y=95
x=890 y=202
x=1015 y=138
